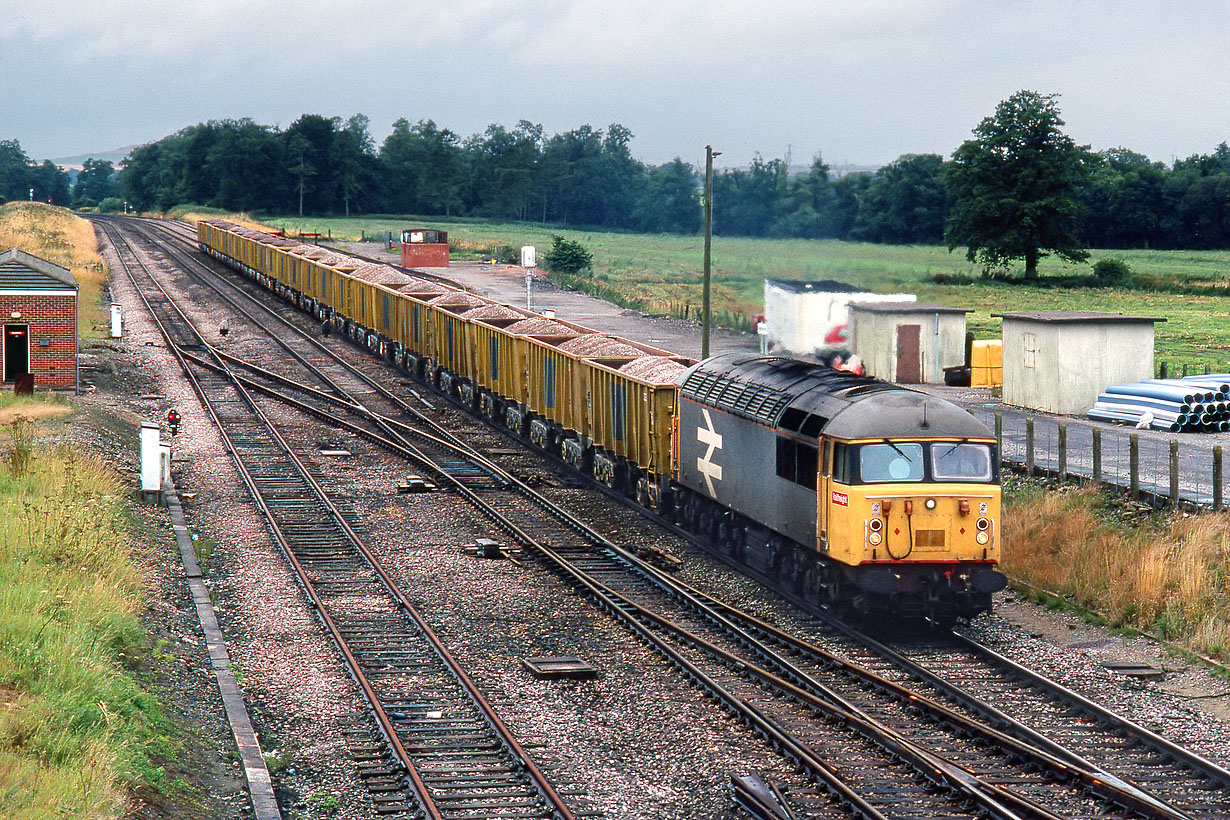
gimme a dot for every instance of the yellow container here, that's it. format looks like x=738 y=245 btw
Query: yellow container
x=987 y=363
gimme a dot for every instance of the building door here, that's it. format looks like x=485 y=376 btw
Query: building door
x=909 y=364
x=16 y=351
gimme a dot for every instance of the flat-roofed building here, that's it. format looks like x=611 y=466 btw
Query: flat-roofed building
x=38 y=303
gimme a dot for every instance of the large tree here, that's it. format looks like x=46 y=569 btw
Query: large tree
x=1016 y=187
x=96 y=181
x=669 y=200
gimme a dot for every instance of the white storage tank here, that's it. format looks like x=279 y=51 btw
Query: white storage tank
x=804 y=317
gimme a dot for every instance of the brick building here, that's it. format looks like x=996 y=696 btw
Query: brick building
x=38 y=305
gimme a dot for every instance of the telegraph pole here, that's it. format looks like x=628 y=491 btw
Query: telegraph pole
x=704 y=337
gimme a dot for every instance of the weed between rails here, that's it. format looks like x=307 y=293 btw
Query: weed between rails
x=75 y=728
x=1163 y=573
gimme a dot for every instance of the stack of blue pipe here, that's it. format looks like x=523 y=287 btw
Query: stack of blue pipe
x=1188 y=405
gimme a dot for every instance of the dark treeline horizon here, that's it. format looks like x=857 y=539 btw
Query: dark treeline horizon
x=588 y=178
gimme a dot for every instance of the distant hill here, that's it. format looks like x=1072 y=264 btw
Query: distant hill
x=114 y=156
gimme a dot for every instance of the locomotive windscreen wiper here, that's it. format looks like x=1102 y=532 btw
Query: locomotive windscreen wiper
x=953 y=447
x=900 y=452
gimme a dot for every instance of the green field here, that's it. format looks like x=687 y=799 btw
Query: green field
x=661 y=274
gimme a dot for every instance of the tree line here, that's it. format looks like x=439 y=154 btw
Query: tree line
x=587 y=177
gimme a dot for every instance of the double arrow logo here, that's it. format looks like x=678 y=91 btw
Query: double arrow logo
x=710 y=471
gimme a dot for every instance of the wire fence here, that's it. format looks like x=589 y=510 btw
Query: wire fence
x=1151 y=468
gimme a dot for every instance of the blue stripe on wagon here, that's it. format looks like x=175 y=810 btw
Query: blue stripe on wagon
x=549 y=381
x=619 y=410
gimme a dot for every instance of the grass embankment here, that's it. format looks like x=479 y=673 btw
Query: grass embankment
x=1167 y=574
x=64 y=239
x=662 y=274
x=77 y=733
x=76 y=730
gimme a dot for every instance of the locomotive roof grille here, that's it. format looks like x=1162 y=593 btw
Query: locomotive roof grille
x=808 y=398
x=742 y=398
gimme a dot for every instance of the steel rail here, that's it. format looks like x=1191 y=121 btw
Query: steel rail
x=558 y=807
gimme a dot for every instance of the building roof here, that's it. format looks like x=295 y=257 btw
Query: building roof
x=906 y=307
x=1076 y=316
x=819 y=286
x=23 y=271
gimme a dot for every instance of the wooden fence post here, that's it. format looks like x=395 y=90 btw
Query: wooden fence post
x=1134 y=466
x=1029 y=446
x=1217 y=477
x=1097 y=455
x=1174 y=473
x=999 y=434
x=1063 y=451
x=1162 y=373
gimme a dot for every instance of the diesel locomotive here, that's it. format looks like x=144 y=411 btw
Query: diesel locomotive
x=851 y=491
x=857 y=494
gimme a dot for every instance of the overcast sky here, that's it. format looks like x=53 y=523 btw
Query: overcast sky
x=860 y=81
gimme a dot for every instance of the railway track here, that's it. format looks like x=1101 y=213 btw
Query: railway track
x=437 y=749
x=916 y=754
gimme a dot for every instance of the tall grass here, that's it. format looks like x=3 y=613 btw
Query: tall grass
x=67 y=240
x=1168 y=575
x=76 y=730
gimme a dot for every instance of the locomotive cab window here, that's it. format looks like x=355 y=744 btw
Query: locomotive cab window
x=961 y=461
x=843 y=463
x=901 y=461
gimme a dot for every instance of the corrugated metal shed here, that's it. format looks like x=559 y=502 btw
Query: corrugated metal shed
x=908 y=342
x=20 y=271
x=1059 y=361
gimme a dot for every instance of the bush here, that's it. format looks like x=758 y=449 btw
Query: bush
x=567 y=256
x=506 y=254
x=111 y=205
x=1111 y=271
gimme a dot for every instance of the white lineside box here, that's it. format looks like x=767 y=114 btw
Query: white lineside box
x=115 y=321
x=151 y=460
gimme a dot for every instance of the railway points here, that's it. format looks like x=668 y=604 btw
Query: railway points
x=811 y=803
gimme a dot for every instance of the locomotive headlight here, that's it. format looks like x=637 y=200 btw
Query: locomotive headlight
x=983 y=524
x=874 y=539
x=929 y=503
x=875 y=524
x=982 y=537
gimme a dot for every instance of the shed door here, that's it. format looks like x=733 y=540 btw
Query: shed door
x=16 y=351
x=909 y=368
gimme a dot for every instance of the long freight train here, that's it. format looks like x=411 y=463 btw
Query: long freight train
x=852 y=492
